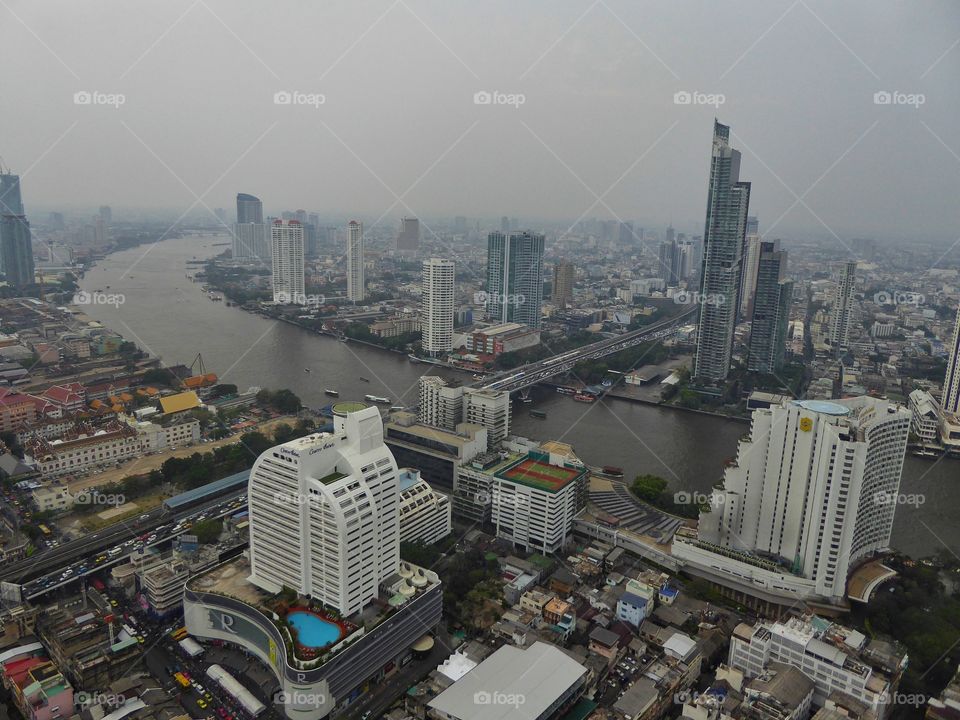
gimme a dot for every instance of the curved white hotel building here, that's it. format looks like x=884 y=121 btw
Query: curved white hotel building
x=813 y=492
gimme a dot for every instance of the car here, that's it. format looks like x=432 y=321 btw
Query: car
x=113 y=603
x=201 y=703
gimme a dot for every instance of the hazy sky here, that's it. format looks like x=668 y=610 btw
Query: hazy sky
x=398 y=79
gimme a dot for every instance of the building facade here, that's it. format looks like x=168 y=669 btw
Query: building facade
x=436 y=306
x=323 y=513
x=813 y=491
x=842 y=310
x=563 y=283
x=728 y=200
x=772 y=296
x=249 y=209
x=425 y=514
x=951 y=382
x=286 y=250
x=515 y=277
x=356 y=281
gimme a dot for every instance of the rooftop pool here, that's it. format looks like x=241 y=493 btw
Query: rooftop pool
x=313 y=631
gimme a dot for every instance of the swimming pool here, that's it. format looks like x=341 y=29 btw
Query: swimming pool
x=313 y=631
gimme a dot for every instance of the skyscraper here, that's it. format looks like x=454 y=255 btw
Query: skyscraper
x=728 y=201
x=771 y=310
x=323 y=514
x=753 y=225
x=16 y=244
x=814 y=488
x=750 y=263
x=951 y=382
x=515 y=277
x=249 y=209
x=436 y=306
x=286 y=243
x=667 y=261
x=106 y=214
x=408 y=239
x=356 y=284
x=626 y=233
x=840 y=314
x=250 y=242
x=562 y=283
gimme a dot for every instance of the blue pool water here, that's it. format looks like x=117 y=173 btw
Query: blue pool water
x=313 y=631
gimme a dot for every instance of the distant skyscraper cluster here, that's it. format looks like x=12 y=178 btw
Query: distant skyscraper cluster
x=515 y=277
x=728 y=201
x=16 y=244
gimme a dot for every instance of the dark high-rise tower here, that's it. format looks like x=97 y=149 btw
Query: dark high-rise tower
x=515 y=277
x=249 y=209
x=16 y=245
x=771 y=310
x=728 y=201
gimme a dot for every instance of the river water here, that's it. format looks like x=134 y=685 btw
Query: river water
x=169 y=316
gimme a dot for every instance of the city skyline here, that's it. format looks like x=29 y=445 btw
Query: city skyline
x=630 y=88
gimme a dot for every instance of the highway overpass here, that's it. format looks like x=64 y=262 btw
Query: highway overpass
x=533 y=373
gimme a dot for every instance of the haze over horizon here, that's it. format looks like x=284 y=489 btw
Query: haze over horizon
x=399 y=131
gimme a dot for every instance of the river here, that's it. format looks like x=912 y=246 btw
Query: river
x=169 y=316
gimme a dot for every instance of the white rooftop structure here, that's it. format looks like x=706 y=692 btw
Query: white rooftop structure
x=512 y=683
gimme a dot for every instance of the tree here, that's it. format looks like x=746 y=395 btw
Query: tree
x=207 y=531
x=648 y=487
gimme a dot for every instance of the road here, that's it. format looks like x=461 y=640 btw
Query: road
x=533 y=373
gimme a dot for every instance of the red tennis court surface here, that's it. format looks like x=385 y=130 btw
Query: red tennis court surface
x=540 y=475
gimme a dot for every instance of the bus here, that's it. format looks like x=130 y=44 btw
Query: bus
x=180 y=634
x=181 y=679
x=45 y=530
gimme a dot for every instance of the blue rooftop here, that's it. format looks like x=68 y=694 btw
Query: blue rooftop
x=823 y=407
x=216 y=487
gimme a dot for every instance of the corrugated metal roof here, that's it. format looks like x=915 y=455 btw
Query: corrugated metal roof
x=179 y=402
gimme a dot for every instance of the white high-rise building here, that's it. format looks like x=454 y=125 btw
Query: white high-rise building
x=324 y=513
x=437 y=306
x=951 y=382
x=286 y=243
x=840 y=314
x=356 y=283
x=441 y=402
x=813 y=491
x=426 y=515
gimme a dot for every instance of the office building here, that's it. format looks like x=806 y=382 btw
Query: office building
x=753 y=225
x=728 y=200
x=841 y=314
x=286 y=246
x=16 y=243
x=515 y=277
x=437 y=306
x=951 y=382
x=751 y=262
x=536 y=498
x=536 y=683
x=323 y=513
x=497 y=339
x=408 y=239
x=771 y=311
x=446 y=404
x=435 y=452
x=249 y=209
x=667 y=262
x=626 y=233
x=925 y=417
x=425 y=514
x=440 y=402
x=563 y=283
x=489 y=409
x=812 y=494
x=251 y=241
x=106 y=214
x=836 y=658
x=356 y=283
